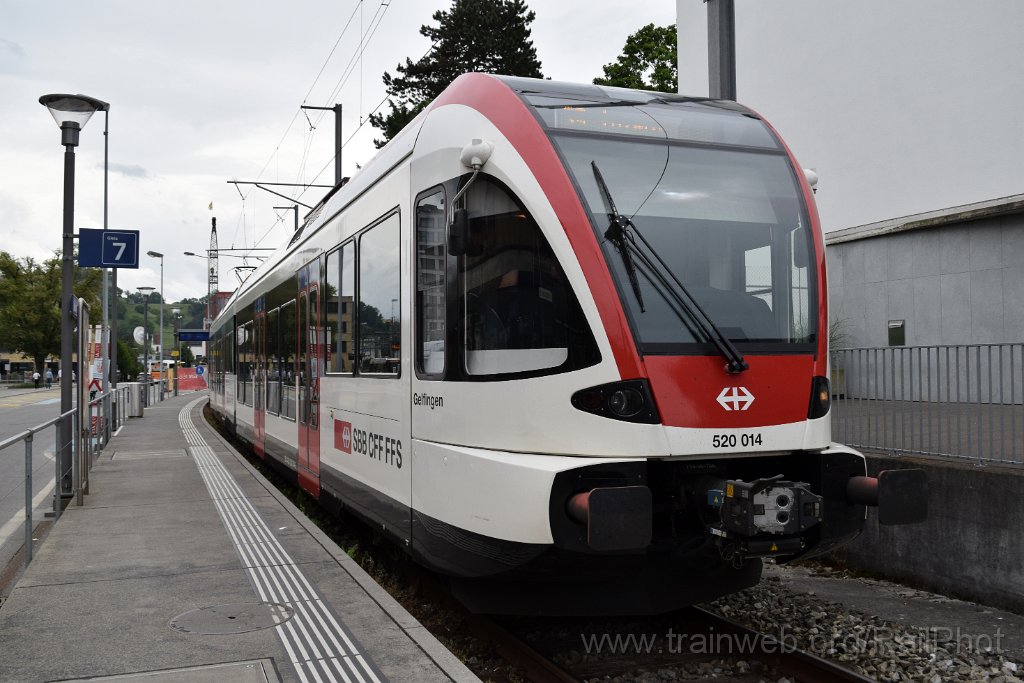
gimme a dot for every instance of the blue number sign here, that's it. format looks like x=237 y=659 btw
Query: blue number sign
x=108 y=248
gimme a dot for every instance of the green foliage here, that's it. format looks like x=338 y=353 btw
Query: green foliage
x=185 y=355
x=193 y=311
x=648 y=61
x=487 y=36
x=131 y=314
x=128 y=367
x=30 y=310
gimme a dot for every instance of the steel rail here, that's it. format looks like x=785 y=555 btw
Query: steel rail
x=806 y=667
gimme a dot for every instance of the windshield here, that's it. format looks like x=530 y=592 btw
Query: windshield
x=728 y=221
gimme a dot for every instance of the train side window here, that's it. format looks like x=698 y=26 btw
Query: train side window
x=379 y=314
x=346 y=321
x=273 y=362
x=431 y=266
x=332 y=310
x=289 y=345
x=800 y=274
x=519 y=314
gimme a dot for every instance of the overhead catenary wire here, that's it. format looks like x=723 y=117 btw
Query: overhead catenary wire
x=359 y=127
x=316 y=79
x=341 y=35
x=348 y=71
x=354 y=64
x=356 y=59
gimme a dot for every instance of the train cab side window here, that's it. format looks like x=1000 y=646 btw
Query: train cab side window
x=431 y=265
x=800 y=273
x=519 y=313
x=380 y=312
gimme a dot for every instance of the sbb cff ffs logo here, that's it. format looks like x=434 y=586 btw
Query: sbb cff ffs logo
x=380 y=447
x=735 y=398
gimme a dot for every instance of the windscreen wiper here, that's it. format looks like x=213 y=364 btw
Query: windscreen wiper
x=622 y=232
x=619 y=232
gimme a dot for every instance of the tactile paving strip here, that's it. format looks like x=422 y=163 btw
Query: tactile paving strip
x=320 y=646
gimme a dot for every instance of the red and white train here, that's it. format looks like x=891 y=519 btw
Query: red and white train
x=566 y=344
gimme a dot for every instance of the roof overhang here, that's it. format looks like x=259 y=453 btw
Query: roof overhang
x=930 y=219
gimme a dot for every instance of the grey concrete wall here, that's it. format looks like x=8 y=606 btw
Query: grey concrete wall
x=955 y=284
x=972 y=544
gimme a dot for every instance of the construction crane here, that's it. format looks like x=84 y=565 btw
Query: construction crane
x=214 y=270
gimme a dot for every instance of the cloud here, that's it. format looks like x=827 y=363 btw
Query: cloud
x=130 y=170
x=13 y=48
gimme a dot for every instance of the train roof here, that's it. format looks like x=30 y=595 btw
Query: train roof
x=536 y=94
x=603 y=94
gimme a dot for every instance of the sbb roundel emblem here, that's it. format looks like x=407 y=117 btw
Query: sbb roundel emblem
x=735 y=398
x=343 y=436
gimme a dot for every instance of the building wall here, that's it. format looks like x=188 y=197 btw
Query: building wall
x=953 y=284
x=901 y=107
x=963 y=548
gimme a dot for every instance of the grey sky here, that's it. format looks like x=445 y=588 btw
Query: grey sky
x=204 y=92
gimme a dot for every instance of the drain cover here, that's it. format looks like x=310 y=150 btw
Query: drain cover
x=238 y=617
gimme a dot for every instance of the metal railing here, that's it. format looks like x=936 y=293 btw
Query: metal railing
x=949 y=401
x=28 y=438
x=104 y=414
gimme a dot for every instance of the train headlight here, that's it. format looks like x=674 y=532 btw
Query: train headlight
x=821 y=398
x=630 y=401
x=626 y=402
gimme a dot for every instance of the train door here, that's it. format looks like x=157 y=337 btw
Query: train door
x=236 y=368
x=310 y=367
x=259 y=380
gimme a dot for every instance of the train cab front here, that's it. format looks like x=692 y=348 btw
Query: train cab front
x=698 y=441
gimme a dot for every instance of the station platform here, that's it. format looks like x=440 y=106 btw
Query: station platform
x=184 y=564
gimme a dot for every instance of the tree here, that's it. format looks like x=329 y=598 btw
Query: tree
x=488 y=36
x=128 y=365
x=185 y=355
x=30 y=310
x=648 y=61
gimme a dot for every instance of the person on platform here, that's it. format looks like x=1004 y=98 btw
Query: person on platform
x=35 y=378
x=49 y=378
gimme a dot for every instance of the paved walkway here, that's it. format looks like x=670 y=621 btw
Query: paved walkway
x=186 y=564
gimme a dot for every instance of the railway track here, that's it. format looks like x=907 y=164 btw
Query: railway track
x=537 y=664
x=744 y=644
x=804 y=666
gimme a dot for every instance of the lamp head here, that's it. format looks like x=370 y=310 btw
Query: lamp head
x=72 y=108
x=146 y=291
x=154 y=254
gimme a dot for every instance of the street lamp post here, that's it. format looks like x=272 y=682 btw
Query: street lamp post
x=107 y=333
x=176 y=313
x=71 y=112
x=209 y=294
x=145 y=292
x=163 y=378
